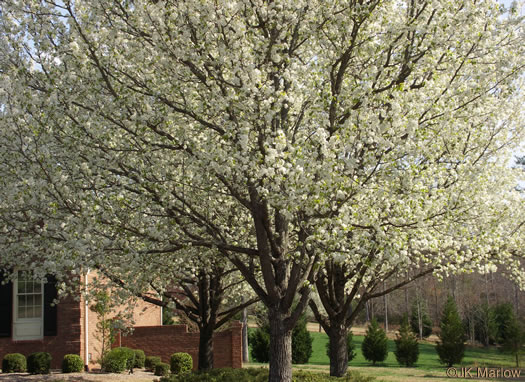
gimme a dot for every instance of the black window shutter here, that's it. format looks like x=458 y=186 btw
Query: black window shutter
x=50 y=311
x=6 y=308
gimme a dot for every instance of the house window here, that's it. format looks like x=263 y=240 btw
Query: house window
x=29 y=297
x=28 y=308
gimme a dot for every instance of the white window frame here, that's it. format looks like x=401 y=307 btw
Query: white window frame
x=25 y=329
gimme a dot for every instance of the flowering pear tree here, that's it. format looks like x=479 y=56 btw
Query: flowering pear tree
x=282 y=135
x=207 y=290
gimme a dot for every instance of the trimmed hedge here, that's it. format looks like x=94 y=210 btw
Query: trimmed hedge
x=118 y=360
x=259 y=375
x=151 y=361
x=14 y=363
x=39 y=363
x=140 y=358
x=181 y=363
x=72 y=363
x=162 y=369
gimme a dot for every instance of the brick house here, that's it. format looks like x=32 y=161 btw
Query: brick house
x=29 y=322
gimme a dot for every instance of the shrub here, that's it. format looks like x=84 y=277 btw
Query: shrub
x=162 y=369
x=14 y=363
x=151 y=361
x=260 y=342
x=140 y=358
x=407 y=347
x=374 y=345
x=72 y=363
x=259 y=375
x=301 y=342
x=118 y=360
x=181 y=363
x=39 y=363
x=349 y=347
x=451 y=346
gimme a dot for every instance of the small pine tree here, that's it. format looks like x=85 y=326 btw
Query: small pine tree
x=259 y=340
x=301 y=342
x=407 y=347
x=514 y=339
x=374 y=345
x=504 y=316
x=451 y=346
x=419 y=312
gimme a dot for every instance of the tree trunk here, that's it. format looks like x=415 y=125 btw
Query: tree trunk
x=280 y=349
x=407 y=305
x=419 y=320
x=385 y=301
x=338 y=350
x=517 y=299
x=206 y=347
x=245 y=352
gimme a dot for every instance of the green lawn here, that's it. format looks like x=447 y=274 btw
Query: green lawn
x=427 y=367
x=428 y=359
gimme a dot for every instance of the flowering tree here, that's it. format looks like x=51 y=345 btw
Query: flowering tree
x=283 y=135
x=208 y=291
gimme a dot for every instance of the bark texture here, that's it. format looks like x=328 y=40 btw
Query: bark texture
x=280 y=350
x=338 y=351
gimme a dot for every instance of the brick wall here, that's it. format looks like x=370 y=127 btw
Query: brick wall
x=67 y=340
x=163 y=341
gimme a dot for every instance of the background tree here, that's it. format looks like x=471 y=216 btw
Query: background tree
x=420 y=321
x=451 y=344
x=485 y=324
x=503 y=317
x=407 y=347
x=102 y=306
x=514 y=341
x=374 y=346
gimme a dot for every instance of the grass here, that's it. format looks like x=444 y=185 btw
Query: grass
x=427 y=367
x=428 y=359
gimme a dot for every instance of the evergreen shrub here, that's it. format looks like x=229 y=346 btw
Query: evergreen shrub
x=72 y=363
x=162 y=369
x=39 y=363
x=181 y=363
x=374 y=346
x=140 y=358
x=151 y=361
x=451 y=344
x=14 y=363
x=407 y=347
x=118 y=360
